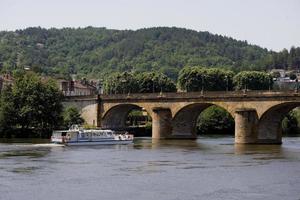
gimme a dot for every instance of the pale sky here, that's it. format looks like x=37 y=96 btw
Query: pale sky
x=274 y=24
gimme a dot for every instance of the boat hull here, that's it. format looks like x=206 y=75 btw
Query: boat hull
x=107 y=142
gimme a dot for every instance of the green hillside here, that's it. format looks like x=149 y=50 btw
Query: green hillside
x=95 y=52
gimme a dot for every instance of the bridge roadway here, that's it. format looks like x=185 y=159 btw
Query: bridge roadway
x=257 y=114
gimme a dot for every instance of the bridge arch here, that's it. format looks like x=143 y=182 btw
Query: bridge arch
x=115 y=117
x=270 y=122
x=185 y=119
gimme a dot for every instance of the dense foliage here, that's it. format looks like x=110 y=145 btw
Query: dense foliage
x=8 y=111
x=98 y=51
x=71 y=116
x=291 y=123
x=144 y=82
x=155 y=82
x=190 y=79
x=285 y=59
x=198 y=78
x=31 y=103
x=118 y=83
x=215 y=120
x=253 y=80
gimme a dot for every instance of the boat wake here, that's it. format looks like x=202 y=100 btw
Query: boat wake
x=40 y=145
x=48 y=145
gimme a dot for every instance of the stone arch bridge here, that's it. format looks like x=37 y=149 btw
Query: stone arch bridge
x=257 y=114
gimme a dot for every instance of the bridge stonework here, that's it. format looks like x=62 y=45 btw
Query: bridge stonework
x=88 y=107
x=257 y=115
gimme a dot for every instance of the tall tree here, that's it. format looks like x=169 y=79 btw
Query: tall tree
x=32 y=102
x=8 y=117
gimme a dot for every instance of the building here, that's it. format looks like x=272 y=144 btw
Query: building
x=77 y=88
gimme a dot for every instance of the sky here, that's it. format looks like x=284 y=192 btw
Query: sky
x=272 y=24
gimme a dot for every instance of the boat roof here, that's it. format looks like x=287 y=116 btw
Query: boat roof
x=86 y=130
x=98 y=130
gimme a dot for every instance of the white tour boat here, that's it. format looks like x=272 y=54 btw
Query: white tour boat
x=79 y=136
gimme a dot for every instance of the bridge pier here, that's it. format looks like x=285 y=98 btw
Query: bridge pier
x=161 y=123
x=246 y=125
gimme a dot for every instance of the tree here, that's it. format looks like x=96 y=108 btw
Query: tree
x=253 y=80
x=71 y=116
x=50 y=105
x=8 y=116
x=215 y=120
x=31 y=103
x=37 y=101
x=209 y=79
x=290 y=124
x=120 y=83
x=154 y=82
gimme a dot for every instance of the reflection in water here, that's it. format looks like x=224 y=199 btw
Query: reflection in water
x=207 y=168
x=257 y=149
x=160 y=144
x=24 y=170
x=25 y=141
x=30 y=153
x=267 y=152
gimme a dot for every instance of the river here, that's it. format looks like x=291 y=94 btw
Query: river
x=208 y=168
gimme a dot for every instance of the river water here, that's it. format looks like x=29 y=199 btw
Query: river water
x=208 y=168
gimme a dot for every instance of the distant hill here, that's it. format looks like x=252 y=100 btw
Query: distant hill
x=94 y=52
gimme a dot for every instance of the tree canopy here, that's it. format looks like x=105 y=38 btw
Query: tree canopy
x=155 y=82
x=118 y=83
x=31 y=102
x=253 y=80
x=198 y=78
x=139 y=82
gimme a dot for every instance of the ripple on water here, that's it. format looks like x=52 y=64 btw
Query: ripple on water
x=22 y=153
x=24 y=170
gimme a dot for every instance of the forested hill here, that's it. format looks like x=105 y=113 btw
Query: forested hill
x=95 y=52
